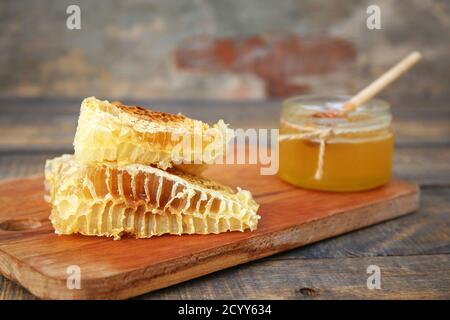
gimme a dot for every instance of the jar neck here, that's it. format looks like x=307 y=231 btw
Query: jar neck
x=298 y=113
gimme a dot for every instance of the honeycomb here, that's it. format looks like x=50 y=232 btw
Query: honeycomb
x=113 y=132
x=111 y=200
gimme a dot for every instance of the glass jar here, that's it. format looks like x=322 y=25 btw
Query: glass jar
x=349 y=153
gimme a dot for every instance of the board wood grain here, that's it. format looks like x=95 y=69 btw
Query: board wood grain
x=31 y=254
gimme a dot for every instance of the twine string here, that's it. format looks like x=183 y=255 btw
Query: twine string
x=322 y=134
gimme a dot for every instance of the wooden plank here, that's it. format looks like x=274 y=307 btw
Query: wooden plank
x=409 y=277
x=426 y=108
x=29 y=130
x=10 y=290
x=31 y=254
x=425 y=232
x=417 y=164
x=59 y=133
x=51 y=123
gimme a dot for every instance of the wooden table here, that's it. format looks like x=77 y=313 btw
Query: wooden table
x=413 y=252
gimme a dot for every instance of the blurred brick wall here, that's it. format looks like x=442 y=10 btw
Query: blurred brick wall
x=231 y=49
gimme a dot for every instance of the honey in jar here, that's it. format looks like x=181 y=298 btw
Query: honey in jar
x=350 y=153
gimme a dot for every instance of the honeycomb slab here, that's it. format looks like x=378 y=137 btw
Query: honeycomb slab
x=114 y=132
x=111 y=200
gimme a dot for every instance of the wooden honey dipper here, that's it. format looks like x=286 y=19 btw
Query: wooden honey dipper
x=374 y=88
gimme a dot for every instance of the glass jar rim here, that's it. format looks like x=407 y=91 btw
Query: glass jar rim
x=374 y=105
x=299 y=110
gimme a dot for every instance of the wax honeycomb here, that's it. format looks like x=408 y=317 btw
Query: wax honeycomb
x=113 y=132
x=144 y=201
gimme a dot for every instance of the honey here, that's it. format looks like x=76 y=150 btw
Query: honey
x=350 y=153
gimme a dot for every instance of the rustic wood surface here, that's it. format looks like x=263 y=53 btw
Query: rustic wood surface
x=412 y=251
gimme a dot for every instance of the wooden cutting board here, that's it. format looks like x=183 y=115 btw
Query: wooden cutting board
x=32 y=255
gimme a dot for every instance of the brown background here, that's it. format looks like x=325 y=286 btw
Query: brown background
x=233 y=49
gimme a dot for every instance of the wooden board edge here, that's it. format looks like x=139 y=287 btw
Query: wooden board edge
x=151 y=278
x=28 y=277
x=8 y=181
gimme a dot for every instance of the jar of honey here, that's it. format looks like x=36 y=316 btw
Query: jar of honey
x=344 y=153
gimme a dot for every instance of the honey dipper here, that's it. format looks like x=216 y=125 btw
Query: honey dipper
x=375 y=87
